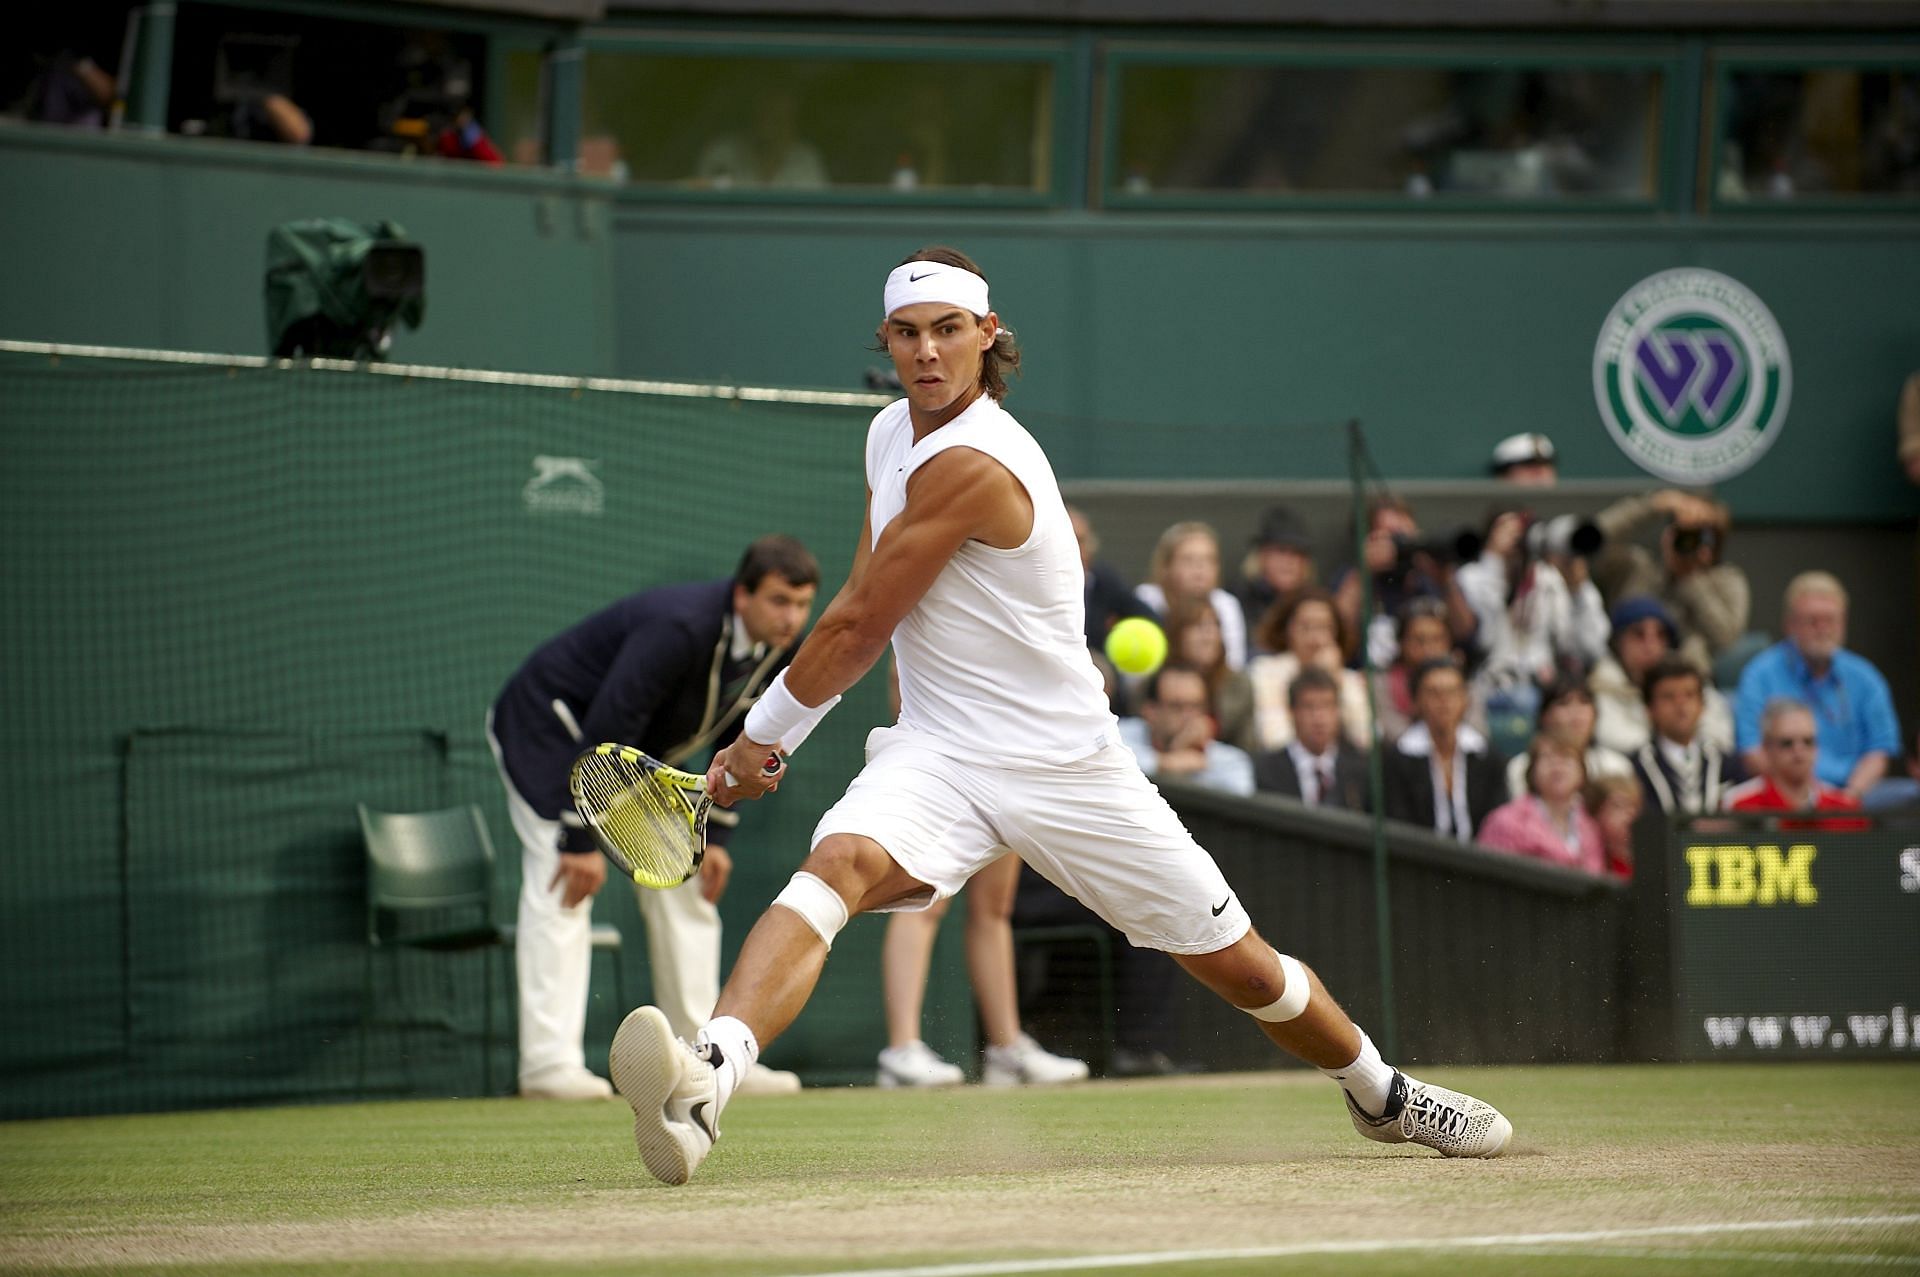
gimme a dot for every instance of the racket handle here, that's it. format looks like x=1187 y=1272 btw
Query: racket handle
x=772 y=767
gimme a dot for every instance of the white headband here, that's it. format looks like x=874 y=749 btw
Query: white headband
x=935 y=282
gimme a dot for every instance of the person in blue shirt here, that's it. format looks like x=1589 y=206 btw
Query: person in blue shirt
x=1173 y=737
x=1859 y=732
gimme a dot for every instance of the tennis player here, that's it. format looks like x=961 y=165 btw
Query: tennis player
x=968 y=565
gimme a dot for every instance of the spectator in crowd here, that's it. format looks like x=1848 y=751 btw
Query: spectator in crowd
x=1108 y=596
x=1319 y=766
x=1681 y=769
x=1708 y=598
x=1615 y=803
x=70 y=88
x=464 y=139
x=1540 y=616
x=431 y=110
x=768 y=152
x=1549 y=822
x=1567 y=709
x=1898 y=791
x=1644 y=635
x=1305 y=632
x=1195 y=637
x=1526 y=460
x=1859 y=733
x=1173 y=736
x=1402 y=568
x=1280 y=562
x=1442 y=774
x=1186 y=568
x=1788 y=776
x=1421 y=634
x=268 y=117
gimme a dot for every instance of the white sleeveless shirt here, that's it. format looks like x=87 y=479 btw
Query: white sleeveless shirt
x=993 y=660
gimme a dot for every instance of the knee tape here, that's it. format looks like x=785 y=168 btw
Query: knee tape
x=818 y=905
x=1293 y=998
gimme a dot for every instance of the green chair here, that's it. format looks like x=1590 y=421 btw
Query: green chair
x=437 y=868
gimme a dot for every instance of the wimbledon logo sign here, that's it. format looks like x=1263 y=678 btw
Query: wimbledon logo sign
x=1691 y=376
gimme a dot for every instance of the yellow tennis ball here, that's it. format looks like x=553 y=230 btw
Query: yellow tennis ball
x=1136 y=645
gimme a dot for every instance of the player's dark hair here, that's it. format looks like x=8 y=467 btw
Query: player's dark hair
x=1671 y=667
x=1311 y=679
x=781 y=555
x=1002 y=358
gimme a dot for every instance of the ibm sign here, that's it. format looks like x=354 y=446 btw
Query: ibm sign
x=1798 y=945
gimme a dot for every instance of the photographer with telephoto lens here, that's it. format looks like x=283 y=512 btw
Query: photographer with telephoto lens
x=1406 y=565
x=1709 y=598
x=1540 y=615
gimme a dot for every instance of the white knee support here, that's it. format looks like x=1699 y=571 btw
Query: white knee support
x=818 y=905
x=1293 y=998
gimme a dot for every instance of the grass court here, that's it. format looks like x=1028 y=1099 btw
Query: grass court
x=1695 y=1169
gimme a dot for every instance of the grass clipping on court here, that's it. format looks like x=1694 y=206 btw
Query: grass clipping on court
x=851 y=1178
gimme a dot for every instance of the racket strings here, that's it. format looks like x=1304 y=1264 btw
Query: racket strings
x=640 y=819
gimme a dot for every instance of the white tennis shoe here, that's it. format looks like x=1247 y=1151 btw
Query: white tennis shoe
x=916 y=1064
x=672 y=1091
x=1027 y=1063
x=1454 y=1124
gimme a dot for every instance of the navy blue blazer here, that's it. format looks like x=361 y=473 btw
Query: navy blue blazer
x=636 y=672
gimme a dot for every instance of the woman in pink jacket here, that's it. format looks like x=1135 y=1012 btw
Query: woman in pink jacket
x=1549 y=822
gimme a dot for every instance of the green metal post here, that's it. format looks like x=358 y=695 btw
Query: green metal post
x=153 y=67
x=566 y=81
x=1389 y=1042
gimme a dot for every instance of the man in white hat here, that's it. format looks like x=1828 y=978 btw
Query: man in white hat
x=1525 y=460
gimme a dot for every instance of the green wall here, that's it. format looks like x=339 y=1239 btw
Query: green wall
x=1195 y=348
x=237 y=602
x=161 y=243
x=1158 y=345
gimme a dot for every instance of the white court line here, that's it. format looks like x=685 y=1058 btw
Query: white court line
x=1150 y=1259
x=1799 y=1257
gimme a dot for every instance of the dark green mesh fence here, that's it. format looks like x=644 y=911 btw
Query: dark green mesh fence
x=237 y=600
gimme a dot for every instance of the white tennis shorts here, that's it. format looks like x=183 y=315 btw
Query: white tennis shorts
x=1096 y=828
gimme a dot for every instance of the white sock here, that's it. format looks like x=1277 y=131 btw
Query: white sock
x=731 y=1049
x=1369 y=1079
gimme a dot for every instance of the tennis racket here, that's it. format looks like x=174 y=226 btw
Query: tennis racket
x=651 y=819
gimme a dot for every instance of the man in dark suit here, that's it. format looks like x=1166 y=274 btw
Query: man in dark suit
x=671 y=671
x=1318 y=767
x=1680 y=770
x=1442 y=774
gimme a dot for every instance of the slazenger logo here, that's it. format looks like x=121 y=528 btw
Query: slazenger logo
x=1691 y=376
x=564 y=485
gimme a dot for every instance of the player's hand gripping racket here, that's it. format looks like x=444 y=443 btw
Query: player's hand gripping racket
x=651 y=818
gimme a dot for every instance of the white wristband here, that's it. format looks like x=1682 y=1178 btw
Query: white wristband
x=779 y=720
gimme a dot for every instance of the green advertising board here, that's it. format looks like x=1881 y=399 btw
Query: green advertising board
x=1797 y=942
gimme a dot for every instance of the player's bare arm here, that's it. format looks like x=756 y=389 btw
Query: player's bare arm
x=960 y=495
